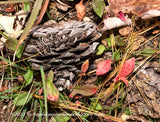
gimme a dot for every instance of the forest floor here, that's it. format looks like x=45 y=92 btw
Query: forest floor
x=121 y=82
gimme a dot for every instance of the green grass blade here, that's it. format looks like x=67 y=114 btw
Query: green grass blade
x=15 y=65
x=24 y=112
x=10 y=90
x=35 y=109
x=45 y=94
x=40 y=110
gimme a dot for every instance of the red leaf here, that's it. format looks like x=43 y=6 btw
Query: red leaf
x=80 y=8
x=103 y=67
x=10 y=9
x=78 y=96
x=124 y=80
x=52 y=98
x=86 y=90
x=71 y=95
x=40 y=91
x=85 y=66
x=78 y=102
x=127 y=68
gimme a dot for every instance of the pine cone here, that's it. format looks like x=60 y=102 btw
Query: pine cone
x=63 y=48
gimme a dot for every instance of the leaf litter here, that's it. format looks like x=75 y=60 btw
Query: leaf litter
x=141 y=90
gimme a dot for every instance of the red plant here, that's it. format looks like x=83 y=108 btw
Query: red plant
x=10 y=9
x=121 y=16
x=127 y=68
x=86 y=90
x=103 y=67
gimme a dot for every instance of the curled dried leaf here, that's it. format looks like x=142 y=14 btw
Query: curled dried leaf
x=84 y=67
x=80 y=8
x=125 y=31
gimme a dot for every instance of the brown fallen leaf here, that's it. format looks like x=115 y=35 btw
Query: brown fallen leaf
x=80 y=8
x=155 y=31
x=84 y=67
x=2 y=88
x=20 y=78
x=142 y=8
x=63 y=5
x=113 y=22
x=125 y=31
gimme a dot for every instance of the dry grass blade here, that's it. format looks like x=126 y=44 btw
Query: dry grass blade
x=15 y=105
x=1 y=82
x=141 y=66
x=89 y=111
x=24 y=102
x=29 y=24
x=69 y=105
x=149 y=28
x=43 y=10
x=21 y=60
x=145 y=99
x=15 y=1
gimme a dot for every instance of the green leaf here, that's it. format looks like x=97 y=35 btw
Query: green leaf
x=109 y=42
x=50 y=77
x=98 y=7
x=116 y=56
x=9 y=90
x=45 y=94
x=61 y=118
x=94 y=105
x=101 y=48
x=17 y=120
x=27 y=6
x=11 y=44
x=22 y=98
x=28 y=76
x=119 y=40
x=15 y=65
x=128 y=111
x=146 y=52
x=98 y=107
x=52 y=92
x=20 y=51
